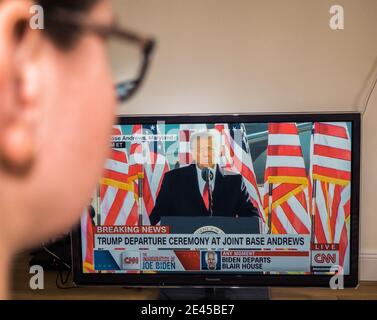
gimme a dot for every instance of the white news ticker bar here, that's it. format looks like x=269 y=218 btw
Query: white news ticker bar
x=168 y=261
x=203 y=241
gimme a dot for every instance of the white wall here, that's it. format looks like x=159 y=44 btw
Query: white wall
x=264 y=55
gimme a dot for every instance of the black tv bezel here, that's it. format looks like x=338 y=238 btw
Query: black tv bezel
x=245 y=279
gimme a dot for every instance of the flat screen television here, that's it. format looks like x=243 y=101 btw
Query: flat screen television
x=225 y=200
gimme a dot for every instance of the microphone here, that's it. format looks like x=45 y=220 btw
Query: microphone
x=207 y=176
x=140 y=177
x=140 y=184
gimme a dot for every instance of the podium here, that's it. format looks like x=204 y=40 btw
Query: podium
x=200 y=225
x=228 y=225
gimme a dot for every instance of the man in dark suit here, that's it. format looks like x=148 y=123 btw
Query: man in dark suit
x=202 y=188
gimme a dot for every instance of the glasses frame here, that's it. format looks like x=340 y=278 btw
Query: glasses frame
x=124 y=89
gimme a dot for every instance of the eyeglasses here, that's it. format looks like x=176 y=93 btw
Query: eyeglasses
x=130 y=53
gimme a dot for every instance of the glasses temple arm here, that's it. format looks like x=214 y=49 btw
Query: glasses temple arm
x=126 y=89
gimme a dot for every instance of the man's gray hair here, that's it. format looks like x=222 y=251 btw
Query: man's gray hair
x=214 y=135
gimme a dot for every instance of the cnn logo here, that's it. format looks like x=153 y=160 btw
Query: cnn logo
x=321 y=258
x=131 y=260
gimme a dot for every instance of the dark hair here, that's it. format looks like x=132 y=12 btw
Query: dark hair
x=63 y=36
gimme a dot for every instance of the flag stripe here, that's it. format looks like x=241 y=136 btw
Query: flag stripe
x=332 y=152
x=106 y=200
x=331 y=130
x=118 y=155
x=283 y=139
x=281 y=190
x=115 y=207
x=286 y=161
x=330 y=172
x=132 y=218
x=121 y=177
x=332 y=163
x=321 y=205
x=296 y=223
x=125 y=209
x=282 y=128
x=279 y=221
x=283 y=150
x=343 y=244
x=286 y=171
x=319 y=230
x=115 y=165
x=300 y=211
x=331 y=141
x=102 y=190
x=335 y=208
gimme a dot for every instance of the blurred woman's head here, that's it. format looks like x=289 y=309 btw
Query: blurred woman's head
x=56 y=111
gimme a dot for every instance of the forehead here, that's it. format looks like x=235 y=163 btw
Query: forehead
x=203 y=139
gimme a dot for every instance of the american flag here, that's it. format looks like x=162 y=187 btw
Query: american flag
x=236 y=157
x=119 y=185
x=117 y=201
x=330 y=172
x=286 y=181
x=148 y=158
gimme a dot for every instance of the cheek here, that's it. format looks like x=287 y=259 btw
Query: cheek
x=77 y=143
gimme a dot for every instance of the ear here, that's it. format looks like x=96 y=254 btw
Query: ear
x=19 y=86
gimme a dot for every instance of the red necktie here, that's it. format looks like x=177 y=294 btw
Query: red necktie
x=206 y=195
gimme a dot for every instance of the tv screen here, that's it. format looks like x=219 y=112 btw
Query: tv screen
x=225 y=200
